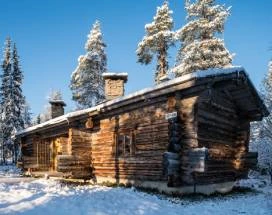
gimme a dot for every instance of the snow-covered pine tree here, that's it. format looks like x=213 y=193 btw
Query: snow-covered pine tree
x=18 y=100
x=267 y=96
x=18 y=97
x=261 y=138
x=37 y=120
x=46 y=114
x=159 y=37
x=5 y=91
x=87 y=83
x=26 y=113
x=12 y=99
x=200 y=48
x=55 y=95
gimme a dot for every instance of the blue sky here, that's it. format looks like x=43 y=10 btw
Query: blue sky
x=50 y=35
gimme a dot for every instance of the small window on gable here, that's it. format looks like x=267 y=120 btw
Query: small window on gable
x=125 y=146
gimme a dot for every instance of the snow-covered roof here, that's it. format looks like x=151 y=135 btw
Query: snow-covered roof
x=198 y=74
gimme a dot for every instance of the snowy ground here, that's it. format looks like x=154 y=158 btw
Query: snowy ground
x=42 y=196
x=8 y=171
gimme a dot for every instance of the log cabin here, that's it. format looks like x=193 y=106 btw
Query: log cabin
x=189 y=134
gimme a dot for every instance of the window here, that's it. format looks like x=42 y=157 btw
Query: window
x=125 y=145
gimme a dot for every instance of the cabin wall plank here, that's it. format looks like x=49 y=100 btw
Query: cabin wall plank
x=150 y=131
x=225 y=134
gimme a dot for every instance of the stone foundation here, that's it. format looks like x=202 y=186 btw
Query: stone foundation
x=162 y=187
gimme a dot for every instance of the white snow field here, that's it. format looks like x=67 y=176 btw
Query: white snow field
x=41 y=196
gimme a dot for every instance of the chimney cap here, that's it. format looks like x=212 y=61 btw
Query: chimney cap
x=61 y=102
x=111 y=75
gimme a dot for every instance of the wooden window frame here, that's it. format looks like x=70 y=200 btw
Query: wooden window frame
x=130 y=142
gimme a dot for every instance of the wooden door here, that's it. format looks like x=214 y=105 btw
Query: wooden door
x=43 y=155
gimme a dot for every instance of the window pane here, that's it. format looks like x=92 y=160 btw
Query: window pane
x=125 y=147
x=120 y=146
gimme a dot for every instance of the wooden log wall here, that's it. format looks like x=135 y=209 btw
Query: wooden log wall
x=58 y=146
x=77 y=158
x=188 y=130
x=218 y=128
x=29 y=152
x=171 y=158
x=147 y=128
x=188 y=122
x=64 y=147
x=36 y=153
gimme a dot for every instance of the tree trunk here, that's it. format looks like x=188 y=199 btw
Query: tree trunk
x=3 y=154
x=270 y=173
x=162 y=64
x=16 y=153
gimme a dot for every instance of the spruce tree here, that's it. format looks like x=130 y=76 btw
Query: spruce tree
x=12 y=99
x=54 y=95
x=159 y=37
x=37 y=120
x=6 y=109
x=46 y=114
x=18 y=98
x=261 y=138
x=87 y=83
x=201 y=49
x=27 y=115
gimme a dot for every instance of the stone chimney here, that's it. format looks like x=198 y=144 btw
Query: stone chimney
x=114 y=84
x=57 y=108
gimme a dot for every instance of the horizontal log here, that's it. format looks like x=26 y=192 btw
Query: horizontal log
x=73 y=168
x=129 y=160
x=149 y=147
x=128 y=172
x=132 y=176
x=114 y=165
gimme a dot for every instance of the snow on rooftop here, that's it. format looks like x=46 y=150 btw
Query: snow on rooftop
x=57 y=120
x=213 y=72
x=198 y=74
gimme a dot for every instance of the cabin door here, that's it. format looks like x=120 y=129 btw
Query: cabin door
x=43 y=155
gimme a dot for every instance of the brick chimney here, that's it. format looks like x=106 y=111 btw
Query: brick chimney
x=57 y=108
x=114 y=84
